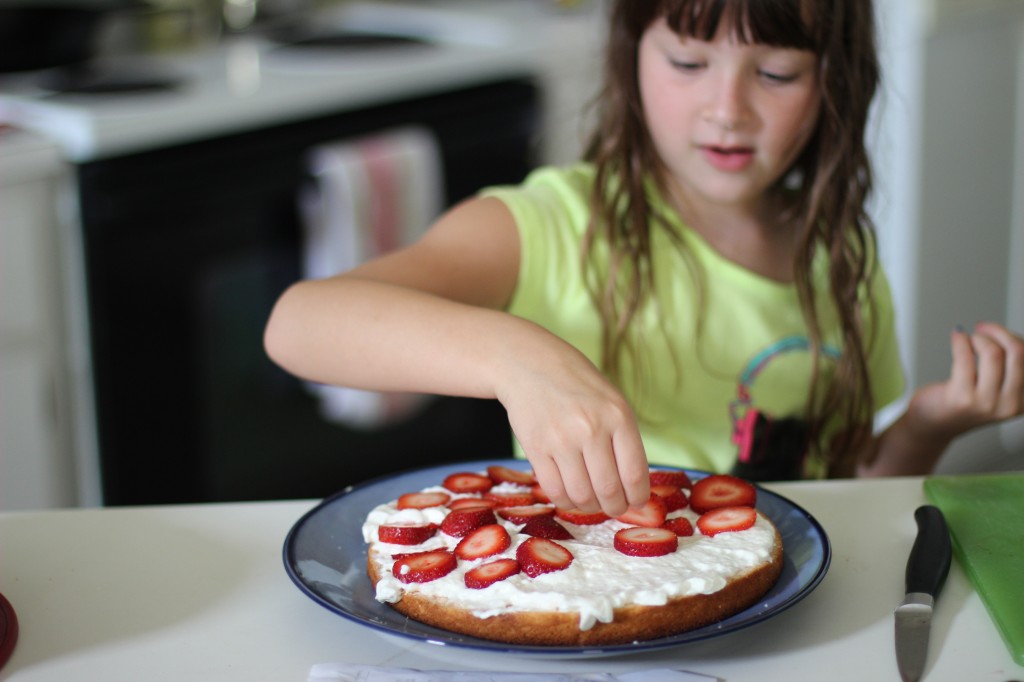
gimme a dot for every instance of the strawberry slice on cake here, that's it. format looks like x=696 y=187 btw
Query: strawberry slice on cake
x=423 y=567
x=721 y=490
x=483 y=542
x=726 y=520
x=581 y=518
x=485 y=575
x=468 y=482
x=460 y=522
x=546 y=527
x=675 y=477
x=520 y=515
x=652 y=514
x=538 y=556
x=642 y=541
x=504 y=474
x=423 y=500
x=406 y=534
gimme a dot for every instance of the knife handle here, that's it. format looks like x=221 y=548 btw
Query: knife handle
x=930 y=557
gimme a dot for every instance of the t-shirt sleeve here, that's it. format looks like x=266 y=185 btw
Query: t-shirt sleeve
x=549 y=210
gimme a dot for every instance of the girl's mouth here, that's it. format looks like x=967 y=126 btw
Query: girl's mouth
x=729 y=159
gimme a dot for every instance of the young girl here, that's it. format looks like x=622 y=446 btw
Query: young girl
x=702 y=291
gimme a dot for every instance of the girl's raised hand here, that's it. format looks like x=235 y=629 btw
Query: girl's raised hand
x=578 y=432
x=986 y=384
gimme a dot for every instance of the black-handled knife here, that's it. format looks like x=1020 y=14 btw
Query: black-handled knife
x=927 y=569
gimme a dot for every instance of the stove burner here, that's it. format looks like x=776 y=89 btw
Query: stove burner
x=298 y=37
x=103 y=81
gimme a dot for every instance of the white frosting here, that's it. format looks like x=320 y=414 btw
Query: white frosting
x=599 y=580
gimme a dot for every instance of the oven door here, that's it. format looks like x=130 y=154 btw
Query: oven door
x=186 y=251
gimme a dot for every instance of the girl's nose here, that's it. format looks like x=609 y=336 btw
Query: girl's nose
x=728 y=106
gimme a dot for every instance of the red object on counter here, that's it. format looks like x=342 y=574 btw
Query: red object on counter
x=8 y=630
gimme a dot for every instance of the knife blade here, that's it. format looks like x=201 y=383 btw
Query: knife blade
x=927 y=569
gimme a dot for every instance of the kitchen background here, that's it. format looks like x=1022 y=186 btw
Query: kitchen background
x=155 y=201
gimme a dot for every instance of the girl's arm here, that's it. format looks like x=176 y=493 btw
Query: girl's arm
x=429 y=318
x=986 y=385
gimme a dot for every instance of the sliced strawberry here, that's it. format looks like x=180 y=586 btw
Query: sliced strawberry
x=673 y=496
x=546 y=527
x=581 y=518
x=422 y=567
x=651 y=515
x=679 y=525
x=401 y=555
x=406 y=534
x=503 y=474
x=469 y=502
x=539 y=555
x=540 y=495
x=520 y=515
x=726 y=520
x=422 y=500
x=721 y=490
x=483 y=542
x=460 y=521
x=509 y=499
x=487 y=574
x=645 y=542
x=468 y=482
x=670 y=477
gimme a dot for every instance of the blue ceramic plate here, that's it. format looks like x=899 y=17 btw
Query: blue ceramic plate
x=324 y=554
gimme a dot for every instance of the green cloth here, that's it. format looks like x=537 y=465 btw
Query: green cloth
x=689 y=392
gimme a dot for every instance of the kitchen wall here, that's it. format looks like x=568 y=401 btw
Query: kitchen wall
x=949 y=150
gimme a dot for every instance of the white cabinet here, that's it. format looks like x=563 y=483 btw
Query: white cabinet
x=37 y=467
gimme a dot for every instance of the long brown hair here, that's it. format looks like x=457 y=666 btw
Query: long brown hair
x=827 y=208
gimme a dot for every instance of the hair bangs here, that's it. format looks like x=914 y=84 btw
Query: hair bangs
x=779 y=23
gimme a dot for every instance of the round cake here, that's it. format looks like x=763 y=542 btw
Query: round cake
x=483 y=553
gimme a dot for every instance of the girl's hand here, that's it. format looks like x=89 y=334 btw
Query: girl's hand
x=986 y=384
x=578 y=432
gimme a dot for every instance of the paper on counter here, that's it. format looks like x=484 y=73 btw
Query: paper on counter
x=344 y=672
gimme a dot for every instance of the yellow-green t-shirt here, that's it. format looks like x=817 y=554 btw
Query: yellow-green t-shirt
x=691 y=393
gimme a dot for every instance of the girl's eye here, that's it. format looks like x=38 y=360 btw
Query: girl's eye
x=686 y=66
x=778 y=77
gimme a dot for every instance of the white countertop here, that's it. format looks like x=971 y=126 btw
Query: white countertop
x=244 y=83
x=200 y=593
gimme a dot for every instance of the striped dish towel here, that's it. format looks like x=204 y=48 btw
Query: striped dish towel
x=368 y=196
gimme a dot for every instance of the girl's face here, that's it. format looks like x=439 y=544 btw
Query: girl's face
x=727 y=119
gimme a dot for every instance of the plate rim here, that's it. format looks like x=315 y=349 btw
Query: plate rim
x=440 y=639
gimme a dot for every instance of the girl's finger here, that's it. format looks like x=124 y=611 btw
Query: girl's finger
x=1000 y=334
x=549 y=478
x=1013 y=388
x=990 y=372
x=634 y=471
x=576 y=479
x=604 y=478
x=963 y=374
x=1012 y=394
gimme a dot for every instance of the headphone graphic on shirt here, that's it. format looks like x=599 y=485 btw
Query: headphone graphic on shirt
x=754 y=431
